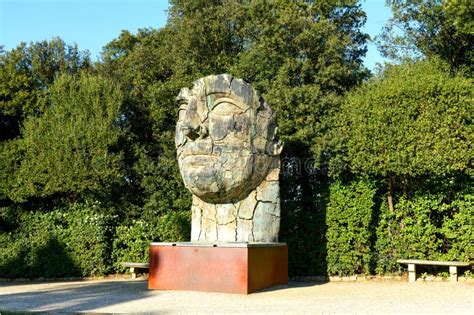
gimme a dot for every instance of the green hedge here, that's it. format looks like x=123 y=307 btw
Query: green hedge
x=132 y=241
x=61 y=243
x=82 y=241
x=349 y=219
x=425 y=227
x=360 y=236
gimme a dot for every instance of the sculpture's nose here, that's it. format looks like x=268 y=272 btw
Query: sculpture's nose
x=192 y=126
x=190 y=133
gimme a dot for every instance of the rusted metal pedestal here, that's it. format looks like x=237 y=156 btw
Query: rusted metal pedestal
x=222 y=267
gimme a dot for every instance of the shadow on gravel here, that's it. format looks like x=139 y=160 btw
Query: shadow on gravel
x=291 y=284
x=75 y=297
x=303 y=284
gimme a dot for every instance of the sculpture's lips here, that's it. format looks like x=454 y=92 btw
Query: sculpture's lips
x=188 y=156
x=201 y=156
x=199 y=161
x=195 y=149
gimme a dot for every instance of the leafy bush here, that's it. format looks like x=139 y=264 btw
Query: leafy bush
x=64 y=242
x=88 y=236
x=175 y=226
x=425 y=227
x=349 y=217
x=457 y=232
x=34 y=250
x=132 y=241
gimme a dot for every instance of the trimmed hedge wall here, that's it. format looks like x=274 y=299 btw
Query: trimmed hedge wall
x=356 y=234
x=59 y=244
x=349 y=220
x=425 y=227
x=82 y=241
x=132 y=241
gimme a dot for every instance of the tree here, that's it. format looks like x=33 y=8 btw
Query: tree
x=70 y=149
x=25 y=74
x=300 y=55
x=442 y=28
x=143 y=65
x=411 y=121
x=461 y=13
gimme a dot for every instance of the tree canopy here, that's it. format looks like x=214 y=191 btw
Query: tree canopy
x=301 y=56
x=25 y=74
x=442 y=28
x=412 y=120
x=69 y=149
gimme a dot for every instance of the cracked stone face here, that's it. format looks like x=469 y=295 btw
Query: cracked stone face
x=228 y=156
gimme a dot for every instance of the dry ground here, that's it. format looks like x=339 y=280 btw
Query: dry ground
x=123 y=295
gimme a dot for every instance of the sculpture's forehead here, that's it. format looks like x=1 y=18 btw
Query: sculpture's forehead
x=213 y=87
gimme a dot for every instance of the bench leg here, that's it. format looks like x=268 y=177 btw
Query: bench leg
x=411 y=273
x=134 y=275
x=453 y=273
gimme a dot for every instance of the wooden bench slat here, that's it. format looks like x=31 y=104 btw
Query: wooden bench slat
x=434 y=263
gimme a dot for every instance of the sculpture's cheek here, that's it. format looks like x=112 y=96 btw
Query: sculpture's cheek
x=220 y=126
x=241 y=128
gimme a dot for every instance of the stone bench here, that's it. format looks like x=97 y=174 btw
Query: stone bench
x=453 y=267
x=134 y=267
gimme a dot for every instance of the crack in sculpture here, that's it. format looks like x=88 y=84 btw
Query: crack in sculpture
x=229 y=156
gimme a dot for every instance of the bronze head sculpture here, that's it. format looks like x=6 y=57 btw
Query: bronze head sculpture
x=228 y=156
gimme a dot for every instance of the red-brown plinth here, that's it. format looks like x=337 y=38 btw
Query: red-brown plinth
x=231 y=267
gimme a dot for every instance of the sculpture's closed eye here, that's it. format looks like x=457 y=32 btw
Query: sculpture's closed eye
x=226 y=107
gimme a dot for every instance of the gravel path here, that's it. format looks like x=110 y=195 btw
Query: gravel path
x=125 y=296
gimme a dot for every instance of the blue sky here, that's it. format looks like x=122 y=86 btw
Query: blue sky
x=93 y=23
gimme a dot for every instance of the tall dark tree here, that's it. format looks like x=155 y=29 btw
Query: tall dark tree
x=26 y=73
x=69 y=149
x=301 y=55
